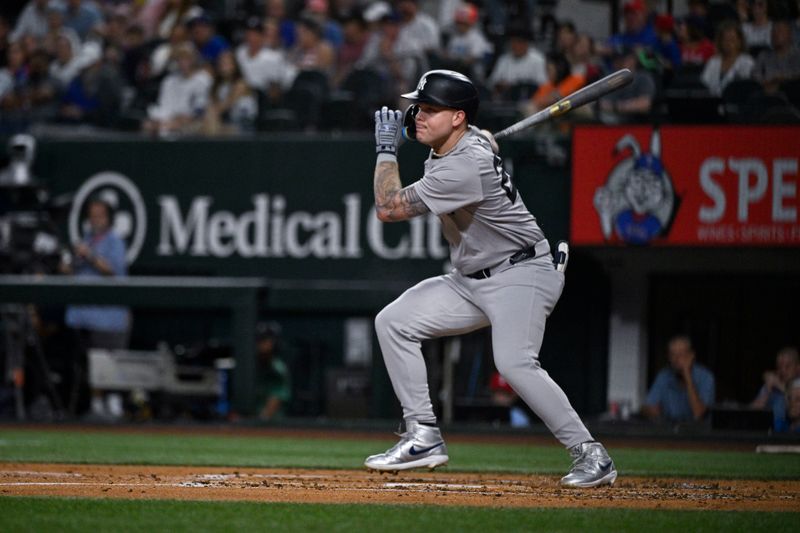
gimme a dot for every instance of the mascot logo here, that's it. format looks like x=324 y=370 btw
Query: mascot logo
x=130 y=217
x=637 y=203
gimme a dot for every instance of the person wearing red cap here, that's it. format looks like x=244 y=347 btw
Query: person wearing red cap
x=468 y=47
x=637 y=31
x=668 y=47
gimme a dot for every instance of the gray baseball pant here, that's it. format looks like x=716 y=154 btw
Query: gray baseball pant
x=515 y=301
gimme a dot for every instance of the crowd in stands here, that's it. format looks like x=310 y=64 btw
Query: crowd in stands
x=171 y=67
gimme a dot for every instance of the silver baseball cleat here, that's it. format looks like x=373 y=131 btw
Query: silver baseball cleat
x=419 y=447
x=591 y=467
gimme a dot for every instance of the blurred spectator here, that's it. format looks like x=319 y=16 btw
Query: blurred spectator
x=791 y=423
x=758 y=29
x=162 y=59
x=203 y=33
x=95 y=96
x=742 y=8
x=774 y=391
x=182 y=97
x=82 y=16
x=135 y=65
x=418 y=27
x=519 y=71
x=69 y=61
x=13 y=78
x=566 y=36
x=173 y=13
x=56 y=29
x=147 y=14
x=732 y=62
x=272 y=36
x=101 y=253
x=781 y=64
x=685 y=390
x=311 y=51
x=113 y=33
x=38 y=93
x=233 y=106
x=633 y=102
x=561 y=81
x=444 y=14
x=637 y=31
x=399 y=62
x=667 y=48
x=331 y=29
x=583 y=58
x=468 y=49
x=355 y=40
x=696 y=48
x=263 y=69
x=275 y=11
x=273 y=388
x=32 y=21
x=698 y=10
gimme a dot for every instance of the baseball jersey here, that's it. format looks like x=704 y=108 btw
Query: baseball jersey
x=483 y=217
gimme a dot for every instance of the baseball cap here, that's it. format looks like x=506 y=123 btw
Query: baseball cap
x=255 y=24
x=200 y=17
x=466 y=14
x=633 y=5
x=664 y=22
x=376 y=11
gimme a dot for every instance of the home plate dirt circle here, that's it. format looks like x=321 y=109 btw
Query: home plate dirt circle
x=355 y=486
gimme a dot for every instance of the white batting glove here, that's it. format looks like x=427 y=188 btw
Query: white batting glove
x=388 y=130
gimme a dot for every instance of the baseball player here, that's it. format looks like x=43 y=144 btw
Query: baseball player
x=503 y=276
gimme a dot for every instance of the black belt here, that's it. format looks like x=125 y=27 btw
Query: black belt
x=518 y=257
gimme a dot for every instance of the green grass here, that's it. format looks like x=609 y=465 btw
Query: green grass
x=228 y=450
x=63 y=514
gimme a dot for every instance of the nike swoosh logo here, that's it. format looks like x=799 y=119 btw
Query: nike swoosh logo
x=604 y=466
x=415 y=451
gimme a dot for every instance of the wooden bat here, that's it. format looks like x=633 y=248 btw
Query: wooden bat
x=582 y=96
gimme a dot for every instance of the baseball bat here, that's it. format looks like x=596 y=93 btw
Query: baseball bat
x=582 y=96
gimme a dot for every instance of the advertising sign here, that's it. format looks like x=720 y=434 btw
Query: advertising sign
x=685 y=186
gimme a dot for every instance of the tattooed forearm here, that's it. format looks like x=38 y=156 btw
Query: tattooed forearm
x=392 y=202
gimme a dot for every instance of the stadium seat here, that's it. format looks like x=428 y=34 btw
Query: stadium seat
x=738 y=98
x=369 y=92
x=306 y=97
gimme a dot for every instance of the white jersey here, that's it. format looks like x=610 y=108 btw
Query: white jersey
x=483 y=217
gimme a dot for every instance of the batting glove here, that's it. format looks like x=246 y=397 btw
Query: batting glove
x=388 y=130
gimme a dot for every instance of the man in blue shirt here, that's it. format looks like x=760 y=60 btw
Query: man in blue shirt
x=101 y=253
x=685 y=390
x=638 y=31
x=204 y=35
x=773 y=393
x=82 y=17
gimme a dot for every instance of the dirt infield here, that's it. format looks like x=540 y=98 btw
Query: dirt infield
x=361 y=487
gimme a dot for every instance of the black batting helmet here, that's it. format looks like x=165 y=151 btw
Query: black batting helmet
x=447 y=88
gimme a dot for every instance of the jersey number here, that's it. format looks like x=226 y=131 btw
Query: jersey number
x=505 y=179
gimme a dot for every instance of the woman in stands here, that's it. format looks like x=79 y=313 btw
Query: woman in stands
x=731 y=62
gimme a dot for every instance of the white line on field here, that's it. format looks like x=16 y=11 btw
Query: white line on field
x=32 y=473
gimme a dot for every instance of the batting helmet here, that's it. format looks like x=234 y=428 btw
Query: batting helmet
x=447 y=88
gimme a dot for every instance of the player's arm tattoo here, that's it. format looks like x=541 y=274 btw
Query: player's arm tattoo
x=392 y=201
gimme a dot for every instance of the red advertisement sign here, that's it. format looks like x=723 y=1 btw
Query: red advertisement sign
x=696 y=185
